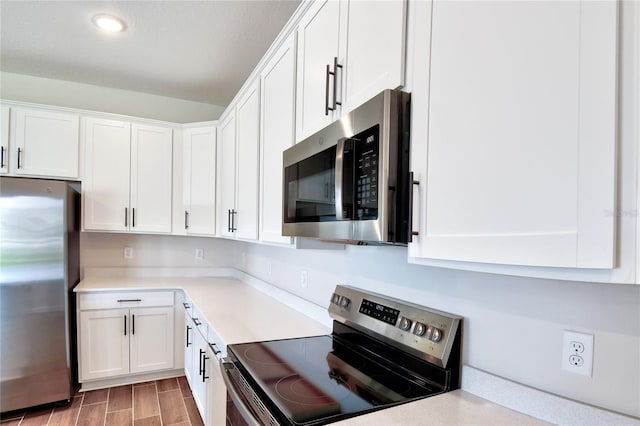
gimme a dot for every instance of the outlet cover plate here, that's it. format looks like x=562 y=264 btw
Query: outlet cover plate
x=577 y=353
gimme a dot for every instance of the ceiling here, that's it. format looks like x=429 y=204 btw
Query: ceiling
x=201 y=51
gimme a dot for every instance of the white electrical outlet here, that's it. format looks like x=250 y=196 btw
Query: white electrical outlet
x=269 y=268
x=199 y=254
x=577 y=353
x=304 y=283
x=128 y=253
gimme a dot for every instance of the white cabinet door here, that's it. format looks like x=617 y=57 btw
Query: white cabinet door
x=104 y=344
x=151 y=341
x=199 y=165
x=375 y=50
x=318 y=39
x=45 y=143
x=4 y=139
x=247 y=164
x=188 y=348
x=277 y=99
x=198 y=384
x=521 y=163
x=226 y=174
x=151 y=178
x=216 y=392
x=105 y=185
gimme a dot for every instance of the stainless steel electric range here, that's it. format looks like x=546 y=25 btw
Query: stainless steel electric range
x=382 y=352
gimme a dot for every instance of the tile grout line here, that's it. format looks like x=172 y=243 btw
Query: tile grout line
x=106 y=407
x=79 y=409
x=158 y=401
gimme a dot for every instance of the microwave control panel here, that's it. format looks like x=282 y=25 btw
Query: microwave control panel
x=366 y=173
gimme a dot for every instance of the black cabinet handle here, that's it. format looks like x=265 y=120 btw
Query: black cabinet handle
x=133 y=325
x=233 y=220
x=229 y=220
x=125 y=325
x=133 y=217
x=3 y=162
x=214 y=348
x=129 y=300
x=19 y=157
x=186 y=219
x=187 y=333
x=186 y=305
x=201 y=369
x=334 y=73
x=413 y=183
x=204 y=366
x=196 y=321
x=126 y=217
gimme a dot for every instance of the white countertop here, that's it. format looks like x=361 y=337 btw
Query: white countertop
x=239 y=313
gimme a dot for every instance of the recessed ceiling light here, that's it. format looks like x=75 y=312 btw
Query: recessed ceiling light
x=109 y=23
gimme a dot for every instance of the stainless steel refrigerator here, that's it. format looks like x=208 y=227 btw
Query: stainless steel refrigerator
x=39 y=266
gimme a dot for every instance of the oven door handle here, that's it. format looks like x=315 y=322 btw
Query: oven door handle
x=237 y=399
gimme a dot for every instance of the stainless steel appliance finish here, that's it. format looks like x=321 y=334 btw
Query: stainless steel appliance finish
x=39 y=259
x=382 y=352
x=350 y=182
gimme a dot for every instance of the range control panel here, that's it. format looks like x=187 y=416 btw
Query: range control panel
x=425 y=332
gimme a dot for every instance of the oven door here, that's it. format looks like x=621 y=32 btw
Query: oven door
x=244 y=407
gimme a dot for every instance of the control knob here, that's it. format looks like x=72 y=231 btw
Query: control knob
x=344 y=302
x=405 y=324
x=335 y=299
x=437 y=335
x=419 y=329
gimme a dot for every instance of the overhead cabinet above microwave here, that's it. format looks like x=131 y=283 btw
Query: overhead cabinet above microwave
x=348 y=52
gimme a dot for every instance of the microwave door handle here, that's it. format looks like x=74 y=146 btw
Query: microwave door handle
x=339 y=177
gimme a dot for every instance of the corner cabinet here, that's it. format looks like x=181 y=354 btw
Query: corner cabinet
x=41 y=143
x=124 y=333
x=199 y=184
x=277 y=133
x=348 y=51
x=514 y=134
x=128 y=176
x=238 y=165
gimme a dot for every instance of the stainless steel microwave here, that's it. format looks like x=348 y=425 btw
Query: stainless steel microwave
x=350 y=182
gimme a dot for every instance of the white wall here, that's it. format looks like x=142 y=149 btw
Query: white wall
x=26 y=88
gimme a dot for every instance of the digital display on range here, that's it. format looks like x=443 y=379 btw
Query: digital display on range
x=379 y=312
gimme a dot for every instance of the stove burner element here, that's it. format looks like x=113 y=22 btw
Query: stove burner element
x=297 y=389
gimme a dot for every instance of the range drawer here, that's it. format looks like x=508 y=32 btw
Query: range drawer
x=124 y=299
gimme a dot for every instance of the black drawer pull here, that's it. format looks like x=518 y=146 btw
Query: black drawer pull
x=129 y=300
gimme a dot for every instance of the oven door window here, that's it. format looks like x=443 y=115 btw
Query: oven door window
x=309 y=189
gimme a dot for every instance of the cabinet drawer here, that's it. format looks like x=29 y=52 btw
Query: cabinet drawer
x=124 y=299
x=198 y=320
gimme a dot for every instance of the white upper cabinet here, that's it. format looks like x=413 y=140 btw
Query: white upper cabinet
x=151 y=178
x=277 y=118
x=348 y=51
x=318 y=48
x=238 y=168
x=199 y=193
x=248 y=138
x=226 y=174
x=128 y=176
x=105 y=185
x=4 y=139
x=518 y=115
x=44 y=143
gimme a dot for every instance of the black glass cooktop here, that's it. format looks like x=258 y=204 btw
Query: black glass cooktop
x=316 y=380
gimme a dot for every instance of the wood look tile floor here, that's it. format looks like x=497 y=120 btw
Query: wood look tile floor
x=159 y=403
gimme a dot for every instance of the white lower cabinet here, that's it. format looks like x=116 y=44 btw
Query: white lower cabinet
x=126 y=340
x=202 y=369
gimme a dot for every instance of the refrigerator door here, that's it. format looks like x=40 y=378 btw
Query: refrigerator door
x=34 y=299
